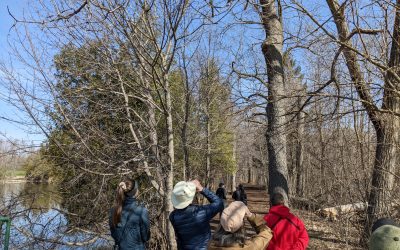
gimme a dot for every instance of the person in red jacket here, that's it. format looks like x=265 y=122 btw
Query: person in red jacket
x=289 y=231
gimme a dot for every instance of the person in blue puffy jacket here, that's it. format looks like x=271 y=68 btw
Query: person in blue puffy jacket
x=192 y=222
x=129 y=221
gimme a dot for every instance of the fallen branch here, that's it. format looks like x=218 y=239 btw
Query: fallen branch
x=333 y=212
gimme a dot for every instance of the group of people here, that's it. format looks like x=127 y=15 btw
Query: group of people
x=279 y=229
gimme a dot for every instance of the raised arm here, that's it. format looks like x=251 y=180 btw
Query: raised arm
x=216 y=204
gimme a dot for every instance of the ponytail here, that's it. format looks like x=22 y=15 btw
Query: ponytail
x=125 y=188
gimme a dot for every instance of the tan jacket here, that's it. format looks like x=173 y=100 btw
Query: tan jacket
x=257 y=242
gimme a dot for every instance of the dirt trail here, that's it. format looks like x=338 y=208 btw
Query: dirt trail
x=323 y=233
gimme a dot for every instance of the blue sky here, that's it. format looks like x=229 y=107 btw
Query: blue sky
x=18 y=7
x=9 y=129
x=254 y=37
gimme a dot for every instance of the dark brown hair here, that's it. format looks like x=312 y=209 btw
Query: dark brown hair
x=129 y=189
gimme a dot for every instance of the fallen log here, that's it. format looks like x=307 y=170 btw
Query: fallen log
x=333 y=212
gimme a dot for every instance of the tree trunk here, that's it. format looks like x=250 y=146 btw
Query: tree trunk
x=208 y=154
x=153 y=132
x=233 y=174
x=187 y=173
x=248 y=172
x=276 y=138
x=170 y=171
x=233 y=187
x=186 y=167
x=299 y=148
x=387 y=135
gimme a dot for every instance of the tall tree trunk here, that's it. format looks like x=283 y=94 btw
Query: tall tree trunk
x=276 y=138
x=233 y=186
x=187 y=173
x=299 y=147
x=233 y=174
x=208 y=154
x=387 y=135
x=171 y=160
x=248 y=171
x=186 y=167
x=321 y=146
x=153 y=130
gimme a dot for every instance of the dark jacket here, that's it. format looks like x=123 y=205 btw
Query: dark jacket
x=192 y=224
x=240 y=195
x=289 y=230
x=134 y=229
x=221 y=193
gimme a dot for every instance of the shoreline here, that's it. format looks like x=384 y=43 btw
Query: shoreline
x=16 y=179
x=21 y=180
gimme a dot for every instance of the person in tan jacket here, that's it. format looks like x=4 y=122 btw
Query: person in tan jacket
x=231 y=234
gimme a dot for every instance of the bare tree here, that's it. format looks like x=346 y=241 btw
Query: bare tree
x=384 y=119
x=276 y=138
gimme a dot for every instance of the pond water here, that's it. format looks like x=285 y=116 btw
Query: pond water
x=39 y=221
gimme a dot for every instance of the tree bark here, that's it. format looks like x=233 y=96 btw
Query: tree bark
x=299 y=148
x=208 y=155
x=186 y=167
x=171 y=160
x=276 y=138
x=387 y=135
x=187 y=173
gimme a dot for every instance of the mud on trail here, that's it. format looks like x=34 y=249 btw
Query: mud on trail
x=324 y=234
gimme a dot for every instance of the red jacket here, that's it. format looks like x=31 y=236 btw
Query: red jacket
x=289 y=230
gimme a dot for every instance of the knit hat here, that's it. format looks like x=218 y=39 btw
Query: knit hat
x=232 y=216
x=385 y=235
x=183 y=194
x=382 y=222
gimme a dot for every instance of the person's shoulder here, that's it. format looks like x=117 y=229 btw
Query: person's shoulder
x=142 y=209
x=171 y=215
x=299 y=222
x=198 y=210
x=136 y=207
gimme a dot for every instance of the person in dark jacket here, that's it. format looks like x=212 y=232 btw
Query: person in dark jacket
x=129 y=222
x=192 y=222
x=240 y=194
x=221 y=193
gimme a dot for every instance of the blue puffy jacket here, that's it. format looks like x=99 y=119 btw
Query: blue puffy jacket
x=192 y=224
x=135 y=220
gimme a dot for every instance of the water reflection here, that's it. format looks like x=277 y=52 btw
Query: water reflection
x=37 y=222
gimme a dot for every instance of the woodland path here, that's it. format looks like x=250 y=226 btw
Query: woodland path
x=323 y=234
